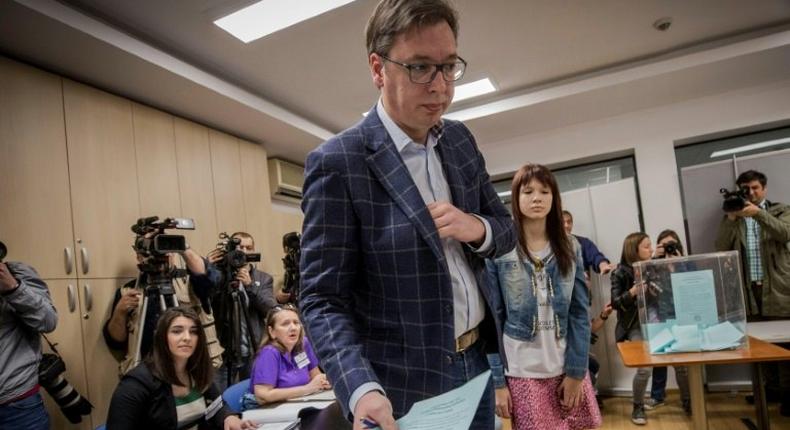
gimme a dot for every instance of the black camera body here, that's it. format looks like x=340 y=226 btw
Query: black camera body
x=293 y=252
x=232 y=257
x=735 y=201
x=672 y=248
x=151 y=240
x=51 y=369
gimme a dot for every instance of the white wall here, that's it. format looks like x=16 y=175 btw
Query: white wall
x=650 y=135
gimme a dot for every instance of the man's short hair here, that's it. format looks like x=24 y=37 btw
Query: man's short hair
x=394 y=17
x=751 y=175
x=570 y=215
x=243 y=235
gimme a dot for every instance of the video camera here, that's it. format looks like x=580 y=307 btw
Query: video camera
x=151 y=240
x=293 y=252
x=232 y=257
x=735 y=201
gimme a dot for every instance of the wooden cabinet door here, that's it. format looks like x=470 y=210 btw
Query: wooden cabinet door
x=103 y=172
x=96 y=296
x=196 y=184
x=67 y=338
x=228 y=190
x=257 y=204
x=35 y=209
x=157 y=173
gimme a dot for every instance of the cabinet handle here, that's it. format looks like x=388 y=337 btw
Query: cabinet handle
x=86 y=289
x=86 y=263
x=68 y=258
x=72 y=299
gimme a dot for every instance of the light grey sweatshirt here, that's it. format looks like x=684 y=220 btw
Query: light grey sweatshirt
x=25 y=312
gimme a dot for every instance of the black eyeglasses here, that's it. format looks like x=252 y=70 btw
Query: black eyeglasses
x=422 y=73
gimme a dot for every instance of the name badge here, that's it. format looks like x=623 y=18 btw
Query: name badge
x=301 y=360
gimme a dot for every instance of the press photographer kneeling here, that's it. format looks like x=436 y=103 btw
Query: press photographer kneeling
x=162 y=283
x=241 y=297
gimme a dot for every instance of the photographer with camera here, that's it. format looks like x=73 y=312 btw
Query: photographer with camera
x=760 y=230
x=234 y=278
x=668 y=246
x=293 y=252
x=170 y=275
x=26 y=310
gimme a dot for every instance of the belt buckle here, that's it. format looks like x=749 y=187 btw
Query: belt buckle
x=462 y=344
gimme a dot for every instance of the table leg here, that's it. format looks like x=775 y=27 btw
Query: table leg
x=699 y=416
x=760 y=406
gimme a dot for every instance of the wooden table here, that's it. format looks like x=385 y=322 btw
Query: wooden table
x=770 y=331
x=635 y=354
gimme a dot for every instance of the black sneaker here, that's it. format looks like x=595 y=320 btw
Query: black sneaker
x=687 y=407
x=638 y=416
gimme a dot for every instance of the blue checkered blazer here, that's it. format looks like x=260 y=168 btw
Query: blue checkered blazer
x=376 y=296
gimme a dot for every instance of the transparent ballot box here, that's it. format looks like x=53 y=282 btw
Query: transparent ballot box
x=692 y=303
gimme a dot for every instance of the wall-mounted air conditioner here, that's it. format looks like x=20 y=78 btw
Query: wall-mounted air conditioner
x=285 y=180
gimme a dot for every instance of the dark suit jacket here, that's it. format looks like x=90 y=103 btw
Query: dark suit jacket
x=376 y=295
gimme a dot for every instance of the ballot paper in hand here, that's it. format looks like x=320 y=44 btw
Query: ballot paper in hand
x=452 y=410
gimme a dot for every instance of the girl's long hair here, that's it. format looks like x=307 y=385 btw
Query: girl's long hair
x=559 y=240
x=199 y=365
x=631 y=243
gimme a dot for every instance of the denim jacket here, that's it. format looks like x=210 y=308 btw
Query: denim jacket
x=570 y=300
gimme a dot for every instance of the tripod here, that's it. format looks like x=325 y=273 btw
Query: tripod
x=233 y=310
x=156 y=281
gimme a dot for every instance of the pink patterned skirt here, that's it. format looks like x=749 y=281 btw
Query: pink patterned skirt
x=536 y=405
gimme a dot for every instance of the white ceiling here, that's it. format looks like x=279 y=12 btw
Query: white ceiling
x=555 y=62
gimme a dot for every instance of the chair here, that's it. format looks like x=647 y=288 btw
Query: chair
x=232 y=395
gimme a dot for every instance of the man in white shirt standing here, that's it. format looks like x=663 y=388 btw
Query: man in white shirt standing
x=399 y=217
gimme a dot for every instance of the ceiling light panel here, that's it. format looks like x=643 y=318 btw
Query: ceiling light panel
x=268 y=16
x=750 y=147
x=473 y=89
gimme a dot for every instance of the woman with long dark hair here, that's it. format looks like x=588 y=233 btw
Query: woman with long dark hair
x=547 y=329
x=636 y=247
x=172 y=388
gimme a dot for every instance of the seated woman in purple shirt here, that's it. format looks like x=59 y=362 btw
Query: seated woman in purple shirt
x=286 y=366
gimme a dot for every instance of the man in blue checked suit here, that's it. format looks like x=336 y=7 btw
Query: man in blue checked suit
x=399 y=216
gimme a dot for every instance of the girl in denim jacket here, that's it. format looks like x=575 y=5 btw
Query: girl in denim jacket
x=547 y=326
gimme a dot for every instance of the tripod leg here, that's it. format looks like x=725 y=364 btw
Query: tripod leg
x=140 y=327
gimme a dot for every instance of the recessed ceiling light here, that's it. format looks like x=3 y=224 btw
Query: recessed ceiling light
x=750 y=147
x=473 y=89
x=268 y=16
